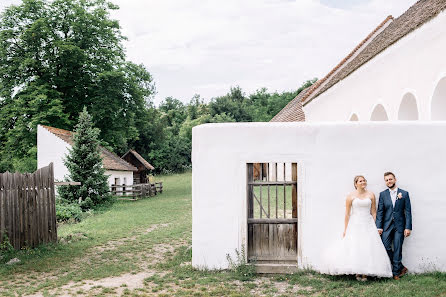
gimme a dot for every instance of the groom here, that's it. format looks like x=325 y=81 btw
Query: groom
x=394 y=222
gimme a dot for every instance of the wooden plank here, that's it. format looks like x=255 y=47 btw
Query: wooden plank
x=269 y=203
x=276 y=268
x=53 y=204
x=2 y=208
x=16 y=214
x=44 y=179
x=284 y=191
x=39 y=207
x=72 y=183
x=261 y=171
x=21 y=210
x=26 y=208
x=277 y=202
x=249 y=190
x=272 y=221
x=271 y=183
x=294 y=189
x=33 y=214
x=272 y=259
x=8 y=207
x=259 y=201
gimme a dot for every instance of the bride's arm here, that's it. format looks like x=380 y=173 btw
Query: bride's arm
x=373 y=208
x=348 y=207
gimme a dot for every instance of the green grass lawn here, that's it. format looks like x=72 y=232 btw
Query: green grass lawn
x=142 y=248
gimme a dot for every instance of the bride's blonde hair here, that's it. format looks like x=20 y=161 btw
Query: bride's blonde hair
x=356 y=180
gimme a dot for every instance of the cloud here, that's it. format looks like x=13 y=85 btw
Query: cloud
x=206 y=46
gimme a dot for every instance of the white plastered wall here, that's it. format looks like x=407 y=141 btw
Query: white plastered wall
x=328 y=156
x=51 y=148
x=126 y=176
x=414 y=64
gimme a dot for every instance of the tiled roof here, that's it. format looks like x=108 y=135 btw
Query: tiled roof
x=384 y=35
x=418 y=14
x=110 y=160
x=140 y=159
x=357 y=50
x=292 y=112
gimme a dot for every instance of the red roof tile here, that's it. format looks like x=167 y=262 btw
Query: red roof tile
x=110 y=160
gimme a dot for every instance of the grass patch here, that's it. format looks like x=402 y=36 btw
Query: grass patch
x=125 y=237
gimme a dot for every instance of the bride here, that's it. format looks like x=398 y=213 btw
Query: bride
x=361 y=251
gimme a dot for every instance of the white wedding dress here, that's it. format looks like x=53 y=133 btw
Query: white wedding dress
x=361 y=251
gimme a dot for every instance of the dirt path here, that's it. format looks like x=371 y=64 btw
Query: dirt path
x=128 y=282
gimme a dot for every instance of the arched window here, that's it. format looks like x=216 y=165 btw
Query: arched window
x=408 y=108
x=438 y=105
x=354 y=118
x=379 y=114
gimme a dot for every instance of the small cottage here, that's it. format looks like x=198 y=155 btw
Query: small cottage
x=53 y=145
x=144 y=168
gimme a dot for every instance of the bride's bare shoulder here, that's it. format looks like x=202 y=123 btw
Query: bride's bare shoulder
x=350 y=196
x=371 y=195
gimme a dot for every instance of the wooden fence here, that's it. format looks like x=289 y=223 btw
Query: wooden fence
x=137 y=190
x=28 y=208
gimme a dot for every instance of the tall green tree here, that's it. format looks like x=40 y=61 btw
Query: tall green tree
x=84 y=164
x=71 y=52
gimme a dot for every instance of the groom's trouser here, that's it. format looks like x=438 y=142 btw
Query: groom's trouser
x=396 y=254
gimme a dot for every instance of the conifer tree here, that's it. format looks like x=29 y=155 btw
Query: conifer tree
x=84 y=164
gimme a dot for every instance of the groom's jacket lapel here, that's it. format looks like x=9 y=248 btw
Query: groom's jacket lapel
x=389 y=199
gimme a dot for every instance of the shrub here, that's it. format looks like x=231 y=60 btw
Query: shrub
x=6 y=249
x=66 y=211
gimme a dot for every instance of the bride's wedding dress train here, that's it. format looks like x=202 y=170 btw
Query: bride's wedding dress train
x=361 y=251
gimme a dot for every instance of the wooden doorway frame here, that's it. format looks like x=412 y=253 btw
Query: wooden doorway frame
x=276 y=234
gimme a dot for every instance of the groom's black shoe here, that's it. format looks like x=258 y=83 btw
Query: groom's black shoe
x=403 y=272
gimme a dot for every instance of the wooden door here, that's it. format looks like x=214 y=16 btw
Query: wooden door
x=272 y=213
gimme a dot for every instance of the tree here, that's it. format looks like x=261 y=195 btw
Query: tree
x=37 y=104
x=70 y=52
x=84 y=164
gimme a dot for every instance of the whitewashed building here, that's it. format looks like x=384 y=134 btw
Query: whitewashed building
x=398 y=72
x=396 y=75
x=53 y=145
x=327 y=157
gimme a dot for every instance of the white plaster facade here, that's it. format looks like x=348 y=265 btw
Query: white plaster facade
x=329 y=156
x=414 y=66
x=51 y=148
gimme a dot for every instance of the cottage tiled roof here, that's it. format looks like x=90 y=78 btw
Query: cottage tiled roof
x=140 y=159
x=417 y=15
x=292 y=112
x=110 y=160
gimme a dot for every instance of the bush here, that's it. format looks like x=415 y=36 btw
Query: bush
x=66 y=211
x=6 y=249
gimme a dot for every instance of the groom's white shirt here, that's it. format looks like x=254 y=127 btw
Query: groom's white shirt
x=393 y=195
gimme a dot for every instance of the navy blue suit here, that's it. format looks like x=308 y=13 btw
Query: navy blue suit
x=393 y=221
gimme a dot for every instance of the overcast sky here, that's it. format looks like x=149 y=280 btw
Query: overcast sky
x=205 y=47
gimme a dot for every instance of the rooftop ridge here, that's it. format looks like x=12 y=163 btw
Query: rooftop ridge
x=347 y=58
x=109 y=159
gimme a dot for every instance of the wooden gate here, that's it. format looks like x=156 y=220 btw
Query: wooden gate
x=272 y=213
